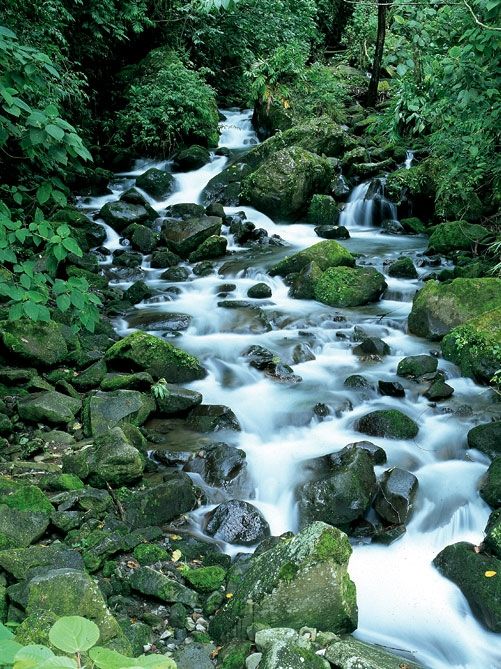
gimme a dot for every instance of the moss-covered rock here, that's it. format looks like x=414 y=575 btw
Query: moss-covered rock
x=90 y=377
x=490 y=486
x=413 y=189
x=154 y=583
x=50 y=407
x=142 y=238
x=19 y=529
x=323 y=210
x=233 y=655
x=284 y=183
x=164 y=258
x=191 y=158
x=133 y=381
x=213 y=247
x=413 y=225
x=439 y=307
x=35 y=628
x=21 y=562
x=447 y=238
x=284 y=647
x=23 y=496
x=475 y=346
x=465 y=567
x=205 y=579
x=184 y=237
x=155 y=356
x=157 y=183
x=212 y=418
x=300 y=582
x=61 y=482
x=348 y=653
x=41 y=344
x=492 y=539
x=324 y=254
x=119 y=215
x=176 y=399
x=486 y=438
x=149 y=553
x=159 y=504
x=349 y=286
x=403 y=268
x=104 y=410
x=416 y=366
x=389 y=423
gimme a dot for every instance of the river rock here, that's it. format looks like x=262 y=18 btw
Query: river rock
x=223 y=467
x=142 y=238
x=391 y=388
x=145 y=319
x=184 y=237
x=358 y=382
x=176 y=399
x=372 y=346
x=159 y=504
x=191 y=158
x=152 y=583
x=344 y=494
x=19 y=529
x=38 y=343
x=300 y=582
x=397 y=490
x=157 y=183
x=389 y=423
x=157 y=357
x=21 y=563
x=439 y=307
x=417 y=366
x=282 y=647
x=456 y=236
x=135 y=381
x=69 y=592
x=323 y=211
x=486 y=438
x=492 y=541
x=211 y=248
x=403 y=268
x=176 y=274
x=237 y=522
x=476 y=346
x=325 y=254
x=349 y=653
x=375 y=452
x=490 y=487
x=105 y=410
x=133 y=196
x=303 y=284
x=285 y=181
x=211 y=418
x=465 y=567
x=349 y=287
x=119 y=215
x=302 y=353
x=126 y=258
x=392 y=227
x=259 y=291
x=332 y=232
x=163 y=258
x=438 y=390
x=185 y=210
x=50 y=407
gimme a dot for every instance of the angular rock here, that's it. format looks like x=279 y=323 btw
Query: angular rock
x=284 y=647
x=303 y=285
x=213 y=247
x=142 y=238
x=348 y=653
x=50 y=407
x=153 y=583
x=184 y=237
x=159 y=504
x=119 y=215
x=372 y=346
x=90 y=377
x=237 y=522
x=41 y=344
x=22 y=562
x=438 y=390
x=486 y=438
x=325 y=254
x=376 y=453
x=177 y=399
x=389 y=423
x=416 y=366
x=397 y=490
x=349 y=286
x=391 y=388
x=302 y=581
x=156 y=183
x=211 y=418
x=461 y=564
x=106 y=410
x=155 y=356
x=191 y=158
x=19 y=529
x=490 y=487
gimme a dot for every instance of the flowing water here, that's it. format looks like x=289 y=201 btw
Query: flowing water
x=403 y=601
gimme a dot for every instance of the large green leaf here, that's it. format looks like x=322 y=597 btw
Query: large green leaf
x=8 y=650
x=110 y=659
x=31 y=657
x=58 y=663
x=5 y=633
x=74 y=634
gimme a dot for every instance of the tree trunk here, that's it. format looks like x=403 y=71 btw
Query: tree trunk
x=378 y=53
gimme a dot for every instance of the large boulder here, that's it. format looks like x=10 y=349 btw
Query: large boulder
x=282 y=647
x=50 y=407
x=237 y=522
x=211 y=418
x=157 y=183
x=439 y=307
x=157 y=357
x=69 y=592
x=159 y=504
x=154 y=583
x=285 y=181
x=323 y=211
x=191 y=158
x=119 y=215
x=106 y=410
x=486 y=438
x=19 y=529
x=41 y=344
x=470 y=570
x=185 y=236
x=417 y=366
x=22 y=563
x=475 y=346
x=349 y=286
x=397 y=490
x=456 y=236
x=349 y=653
x=302 y=581
x=176 y=399
x=389 y=423
x=324 y=254
x=490 y=487
x=344 y=494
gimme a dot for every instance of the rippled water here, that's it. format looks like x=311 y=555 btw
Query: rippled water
x=403 y=601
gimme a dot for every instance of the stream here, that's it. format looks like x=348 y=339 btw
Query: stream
x=403 y=601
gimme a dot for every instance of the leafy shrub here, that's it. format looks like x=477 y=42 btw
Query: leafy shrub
x=166 y=104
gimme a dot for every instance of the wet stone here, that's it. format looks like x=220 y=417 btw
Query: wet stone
x=439 y=390
x=372 y=346
x=175 y=274
x=415 y=366
x=259 y=291
x=391 y=388
x=397 y=490
x=332 y=232
x=212 y=418
x=375 y=452
x=237 y=522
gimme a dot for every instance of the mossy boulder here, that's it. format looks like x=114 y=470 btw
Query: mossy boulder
x=403 y=268
x=490 y=486
x=475 y=346
x=486 y=438
x=213 y=247
x=155 y=356
x=413 y=189
x=69 y=592
x=324 y=254
x=323 y=210
x=492 y=539
x=284 y=183
x=349 y=653
x=148 y=553
x=413 y=225
x=19 y=529
x=152 y=583
x=284 y=647
x=416 y=366
x=388 y=423
x=205 y=579
x=303 y=285
x=157 y=183
x=349 y=286
x=141 y=237
x=467 y=568
x=106 y=410
x=50 y=407
x=23 y=496
x=302 y=581
x=22 y=562
x=41 y=344
x=119 y=215
x=159 y=504
x=90 y=377
x=191 y=158
x=439 y=307
x=176 y=399
x=35 y=628
x=163 y=258
x=447 y=238
x=132 y=381
x=212 y=418
x=184 y=237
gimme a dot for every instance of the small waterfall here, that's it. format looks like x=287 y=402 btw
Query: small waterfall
x=367 y=206
x=409 y=157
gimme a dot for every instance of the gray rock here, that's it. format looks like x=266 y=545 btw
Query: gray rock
x=486 y=438
x=105 y=410
x=156 y=183
x=177 y=399
x=237 y=522
x=152 y=583
x=397 y=490
x=349 y=653
x=212 y=418
x=50 y=407
x=184 y=237
x=159 y=504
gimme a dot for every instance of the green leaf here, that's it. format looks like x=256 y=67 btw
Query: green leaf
x=59 y=198
x=16 y=312
x=54 y=131
x=43 y=192
x=74 y=634
x=5 y=632
x=58 y=663
x=110 y=659
x=63 y=302
x=25 y=281
x=71 y=245
x=30 y=657
x=8 y=650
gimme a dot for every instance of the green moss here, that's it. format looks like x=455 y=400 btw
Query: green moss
x=456 y=236
x=288 y=571
x=235 y=654
x=149 y=553
x=330 y=547
x=389 y=423
x=329 y=253
x=61 y=482
x=201 y=637
x=27 y=498
x=41 y=344
x=323 y=210
x=349 y=287
x=35 y=628
x=205 y=579
x=109 y=567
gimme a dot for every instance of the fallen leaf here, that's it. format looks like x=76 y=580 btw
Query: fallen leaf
x=490 y=574
x=175 y=537
x=176 y=555
x=229 y=595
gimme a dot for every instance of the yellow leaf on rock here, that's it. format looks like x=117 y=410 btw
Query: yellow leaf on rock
x=490 y=574
x=229 y=595
x=176 y=555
